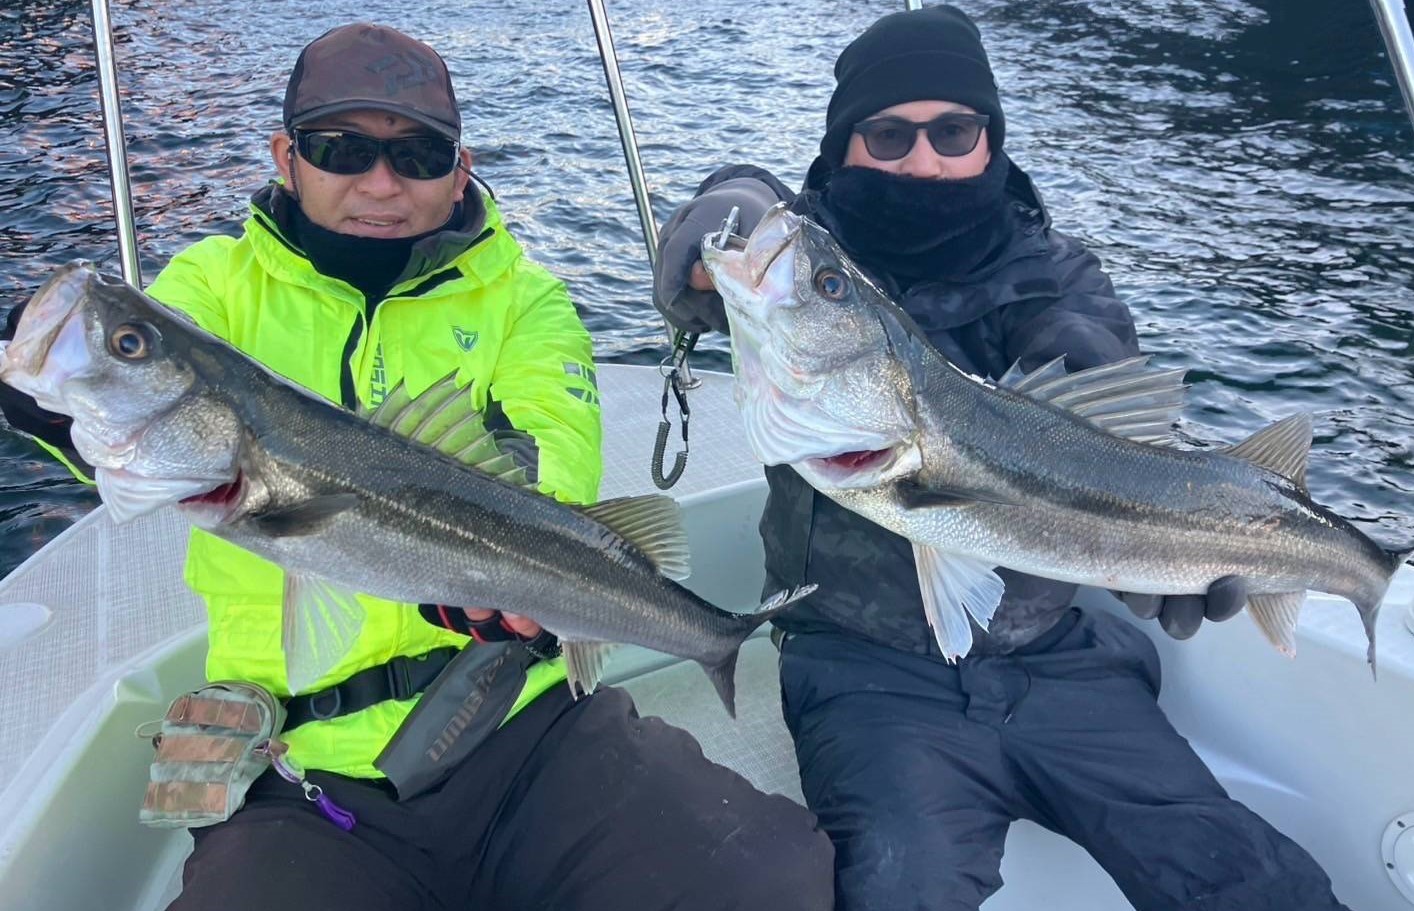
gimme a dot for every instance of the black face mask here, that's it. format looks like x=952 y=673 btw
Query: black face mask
x=370 y=264
x=918 y=229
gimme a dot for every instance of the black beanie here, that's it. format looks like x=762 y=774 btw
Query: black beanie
x=929 y=54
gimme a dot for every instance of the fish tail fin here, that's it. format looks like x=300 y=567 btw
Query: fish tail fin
x=723 y=677
x=722 y=673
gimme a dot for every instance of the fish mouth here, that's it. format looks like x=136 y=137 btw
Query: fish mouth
x=857 y=460
x=748 y=266
x=863 y=468
x=216 y=505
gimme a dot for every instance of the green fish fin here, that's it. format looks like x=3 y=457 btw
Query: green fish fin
x=1281 y=447
x=584 y=664
x=319 y=626
x=442 y=418
x=913 y=495
x=304 y=518
x=956 y=588
x=1275 y=616
x=653 y=524
x=1126 y=398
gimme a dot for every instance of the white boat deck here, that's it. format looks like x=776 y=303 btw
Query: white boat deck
x=98 y=633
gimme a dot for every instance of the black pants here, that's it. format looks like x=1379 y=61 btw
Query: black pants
x=569 y=806
x=916 y=768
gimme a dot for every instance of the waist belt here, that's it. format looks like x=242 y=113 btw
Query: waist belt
x=401 y=678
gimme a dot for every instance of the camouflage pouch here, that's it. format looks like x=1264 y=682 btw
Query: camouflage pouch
x=211 y=745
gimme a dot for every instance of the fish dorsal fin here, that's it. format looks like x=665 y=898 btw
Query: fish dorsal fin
x=442 y=418
x=1126 y=398
x=1281 y=447
x=653 y=524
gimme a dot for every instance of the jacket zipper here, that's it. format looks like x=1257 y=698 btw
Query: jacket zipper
x=348 y=393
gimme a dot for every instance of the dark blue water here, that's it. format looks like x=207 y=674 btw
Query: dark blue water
x=1245 y=172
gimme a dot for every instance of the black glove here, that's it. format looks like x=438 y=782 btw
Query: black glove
x=492 y=629
x=1181 y=615
x=680 y=247
x=23 y=412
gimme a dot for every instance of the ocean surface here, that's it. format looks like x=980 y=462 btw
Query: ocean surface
x=1245 y=171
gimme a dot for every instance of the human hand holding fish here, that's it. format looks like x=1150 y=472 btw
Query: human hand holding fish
x=1065 y=476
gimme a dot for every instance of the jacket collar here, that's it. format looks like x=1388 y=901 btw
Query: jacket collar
x=479 y=247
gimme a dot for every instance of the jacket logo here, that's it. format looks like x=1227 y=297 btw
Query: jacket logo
x=465 y=340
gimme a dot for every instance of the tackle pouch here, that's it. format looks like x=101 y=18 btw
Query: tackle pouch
x=463 y=706
x=211 y=746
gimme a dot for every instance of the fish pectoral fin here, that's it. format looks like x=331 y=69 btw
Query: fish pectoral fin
x=319 y=626
x=1281 y=447
x=584 y=664
x=653 y=524
x=304 y=518
x=956 y=588
x=1275 y=616
x=913 y=495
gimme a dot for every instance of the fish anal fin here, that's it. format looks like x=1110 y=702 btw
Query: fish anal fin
x=584 y=664
x=956 y=588
x=653 y=524
x=1281 y=447
x=319 y=627
x=304 y=518
x=1275 y=615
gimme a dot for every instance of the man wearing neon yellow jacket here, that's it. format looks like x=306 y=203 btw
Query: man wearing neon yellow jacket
x=372 y=262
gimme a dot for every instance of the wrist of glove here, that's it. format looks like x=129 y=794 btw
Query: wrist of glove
x=494 y=628
x=680 y=248
x=1181 y=615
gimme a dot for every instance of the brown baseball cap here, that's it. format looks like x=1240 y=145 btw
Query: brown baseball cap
x=364 y=66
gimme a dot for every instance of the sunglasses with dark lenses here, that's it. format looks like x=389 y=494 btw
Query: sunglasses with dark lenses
x=342 y=152
x=951 y=135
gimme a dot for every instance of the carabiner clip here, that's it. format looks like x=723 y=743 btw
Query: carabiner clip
x=671 y=368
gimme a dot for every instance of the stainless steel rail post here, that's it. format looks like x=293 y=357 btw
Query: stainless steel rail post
x=111 y=106
x=1394 y=26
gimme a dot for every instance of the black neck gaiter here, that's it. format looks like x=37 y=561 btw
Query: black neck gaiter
x=918 y=229
x=370 y=264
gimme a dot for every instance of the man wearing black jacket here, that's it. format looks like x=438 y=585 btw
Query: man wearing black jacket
x=916 y=766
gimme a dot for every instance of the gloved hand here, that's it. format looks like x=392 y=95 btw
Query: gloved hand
x=690 y=305
x=492 y=626
x=1181 y=615
x=23 y=413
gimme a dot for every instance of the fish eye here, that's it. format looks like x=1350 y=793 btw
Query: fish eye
x=131 y=341
x=831 y=283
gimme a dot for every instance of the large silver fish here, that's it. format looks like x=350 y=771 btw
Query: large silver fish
x=169 y=414
x=1061 y=476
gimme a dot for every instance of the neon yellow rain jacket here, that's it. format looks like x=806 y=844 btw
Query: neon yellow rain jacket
x=484 y=309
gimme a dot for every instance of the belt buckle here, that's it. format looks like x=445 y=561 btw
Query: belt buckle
x=315 y=700
x=399 y=677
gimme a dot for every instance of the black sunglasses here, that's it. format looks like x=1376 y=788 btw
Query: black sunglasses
x=342 y=152
x=952 y=135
